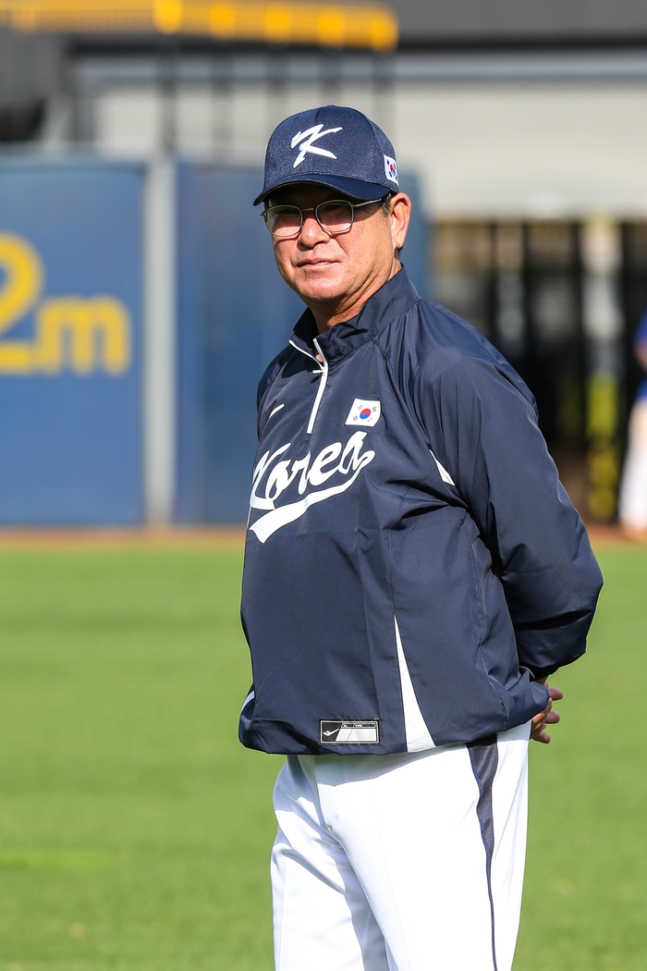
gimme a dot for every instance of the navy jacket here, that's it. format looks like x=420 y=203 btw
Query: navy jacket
x=412 y=563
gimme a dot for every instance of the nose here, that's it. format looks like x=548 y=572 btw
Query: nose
x=311 y=232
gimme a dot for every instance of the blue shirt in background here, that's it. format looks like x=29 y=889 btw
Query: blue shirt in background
x=641 y=338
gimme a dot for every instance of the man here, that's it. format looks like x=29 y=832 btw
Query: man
x=413 y=573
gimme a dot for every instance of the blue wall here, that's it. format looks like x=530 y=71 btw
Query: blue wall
x=234 y=315
x=70 y=343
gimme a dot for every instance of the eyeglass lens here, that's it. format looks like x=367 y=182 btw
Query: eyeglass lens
x=335 y=216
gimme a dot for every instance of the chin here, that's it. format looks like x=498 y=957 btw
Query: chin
x=320 y=284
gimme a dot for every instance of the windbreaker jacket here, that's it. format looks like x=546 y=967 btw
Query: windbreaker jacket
x=412 y=562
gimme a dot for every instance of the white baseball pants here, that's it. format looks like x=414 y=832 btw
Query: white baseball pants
x=632 y=502
x=401 y=863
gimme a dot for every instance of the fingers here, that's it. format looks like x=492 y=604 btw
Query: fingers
x=546 y=717
x=538 y=732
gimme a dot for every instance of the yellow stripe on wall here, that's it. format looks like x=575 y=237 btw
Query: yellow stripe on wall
x=325 y=24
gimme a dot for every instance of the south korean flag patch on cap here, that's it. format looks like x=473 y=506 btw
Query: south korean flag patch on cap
x=391 y=169
x=366 y=413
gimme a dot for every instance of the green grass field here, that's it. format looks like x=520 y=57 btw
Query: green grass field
x=135 y=831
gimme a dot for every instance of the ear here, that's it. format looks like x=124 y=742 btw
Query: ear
x=400 y=216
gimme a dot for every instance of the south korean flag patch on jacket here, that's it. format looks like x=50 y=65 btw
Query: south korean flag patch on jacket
x=364 y=413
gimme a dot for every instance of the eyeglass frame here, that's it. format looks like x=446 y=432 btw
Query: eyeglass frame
x=342 y=232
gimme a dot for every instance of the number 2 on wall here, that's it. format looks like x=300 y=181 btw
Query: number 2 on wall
x=84 y=333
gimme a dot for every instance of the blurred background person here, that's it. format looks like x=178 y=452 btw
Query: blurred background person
x=632 y=506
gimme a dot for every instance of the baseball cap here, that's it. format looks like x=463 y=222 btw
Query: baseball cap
x=332 y=146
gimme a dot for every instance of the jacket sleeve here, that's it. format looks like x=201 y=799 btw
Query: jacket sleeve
x=498 y=459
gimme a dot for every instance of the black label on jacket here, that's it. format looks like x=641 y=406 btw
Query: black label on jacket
x=349 y=732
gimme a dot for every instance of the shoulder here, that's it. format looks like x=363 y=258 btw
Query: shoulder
x=434 y=351
x=446 y=340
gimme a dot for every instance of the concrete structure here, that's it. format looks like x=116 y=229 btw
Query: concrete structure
x=504 y=108
x=491 y=133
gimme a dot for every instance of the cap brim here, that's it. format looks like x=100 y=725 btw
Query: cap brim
x=354 y=188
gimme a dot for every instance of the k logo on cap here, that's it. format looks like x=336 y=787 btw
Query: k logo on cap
x=307 y=138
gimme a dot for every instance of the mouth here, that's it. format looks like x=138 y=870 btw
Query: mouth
x=316 y=262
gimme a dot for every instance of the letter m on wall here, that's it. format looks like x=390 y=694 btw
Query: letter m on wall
x=87 y=333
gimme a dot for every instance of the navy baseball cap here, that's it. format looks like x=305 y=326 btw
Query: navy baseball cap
x=336 y=147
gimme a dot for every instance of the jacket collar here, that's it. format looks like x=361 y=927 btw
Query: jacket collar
x=388 y=303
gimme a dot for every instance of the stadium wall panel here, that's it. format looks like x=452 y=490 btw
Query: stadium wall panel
x=70 y=342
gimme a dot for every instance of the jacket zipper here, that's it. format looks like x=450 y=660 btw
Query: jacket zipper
x=323 y=371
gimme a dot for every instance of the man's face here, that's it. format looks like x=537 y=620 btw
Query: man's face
x=325 y=269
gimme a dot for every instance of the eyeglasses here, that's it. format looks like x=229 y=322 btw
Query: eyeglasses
x=335 y=216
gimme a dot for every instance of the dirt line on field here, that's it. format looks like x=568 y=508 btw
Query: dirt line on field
x=206 y=537
x=148 y=537
x=608 y=537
